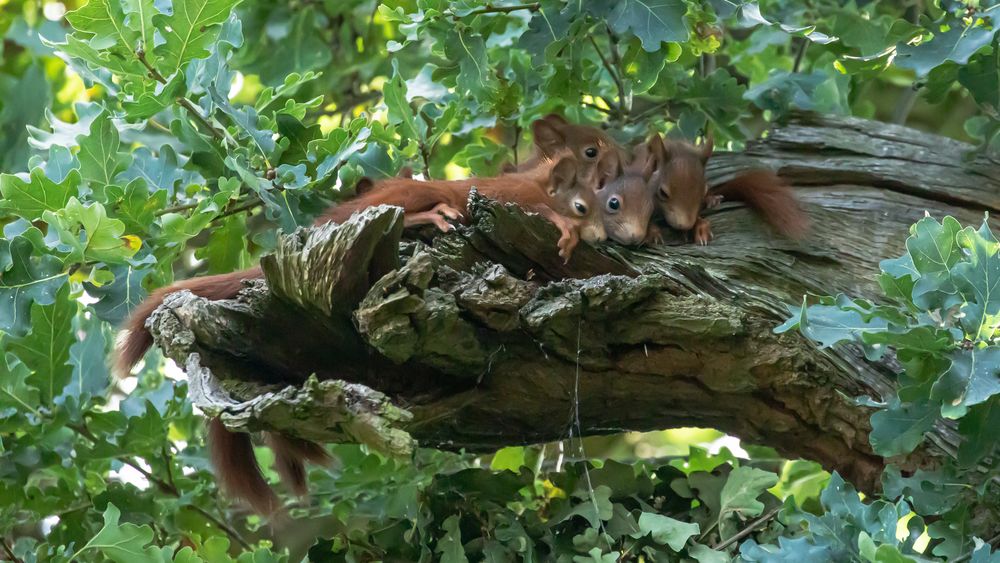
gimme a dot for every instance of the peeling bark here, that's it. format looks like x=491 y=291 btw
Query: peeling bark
x=480 y=338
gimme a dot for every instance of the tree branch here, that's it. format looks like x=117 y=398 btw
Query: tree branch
x=476 y=336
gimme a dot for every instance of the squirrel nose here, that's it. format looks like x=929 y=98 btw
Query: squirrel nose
x=681 y=221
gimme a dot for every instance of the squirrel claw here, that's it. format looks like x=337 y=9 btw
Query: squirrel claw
x=713 y=201
x=702 y=232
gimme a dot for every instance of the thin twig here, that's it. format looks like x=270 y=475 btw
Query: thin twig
x=184 y=102
x=614 y=75
x=10 y=552
x=188 y=105
x=968 y=555
x=166 y=488
x=616 y=60
x=176 y=208
x=800 y=54
x=599 y=108
x=491 y=9
x=749 y=529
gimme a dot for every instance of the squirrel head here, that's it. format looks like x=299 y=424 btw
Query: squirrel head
x=573 y=194
x=679 y=181
x=595 y=151
x=626 y=202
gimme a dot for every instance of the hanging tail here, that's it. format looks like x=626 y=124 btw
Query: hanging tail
x=770 y=197
x=137 y=340
x=237 y=469
x=240 y=475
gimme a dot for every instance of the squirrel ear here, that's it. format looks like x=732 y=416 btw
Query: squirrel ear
x=555 y=119
x=608 y=168
x=549 y=134
x=562 y=177
x=508 y=167
x=364 y=185
x=405 y=172
x=658 y=155
x=707 y=147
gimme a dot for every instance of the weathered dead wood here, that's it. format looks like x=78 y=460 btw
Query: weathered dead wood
x=483 y=336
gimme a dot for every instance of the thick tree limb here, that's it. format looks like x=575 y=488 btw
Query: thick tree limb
x=483 y=336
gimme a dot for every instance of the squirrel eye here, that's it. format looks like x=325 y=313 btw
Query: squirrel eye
x=614 y=204
x=580 y=208
x=590 y=152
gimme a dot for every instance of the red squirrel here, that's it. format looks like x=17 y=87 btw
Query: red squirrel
x=551 y=187
x=558 y=188
x=626 y=202
x=682 y=192
x=553 y=134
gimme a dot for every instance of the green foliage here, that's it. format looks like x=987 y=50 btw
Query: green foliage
x=940 y=317
x=142 y=140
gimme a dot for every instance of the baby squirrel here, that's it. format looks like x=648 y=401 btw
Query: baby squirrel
x=681 y=192
x=560 y=188
x=568 y=158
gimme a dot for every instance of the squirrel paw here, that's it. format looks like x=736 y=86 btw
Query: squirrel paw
x=702 y=233
x=448 y=211
x=713 y=201
x=567 y=243
x=654 y=235
x=442 y=224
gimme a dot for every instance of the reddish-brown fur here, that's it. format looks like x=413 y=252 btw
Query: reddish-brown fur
x=768 y=195
x=237 y=469
x=415 y=196
x=683 y=193
x=554 y=135
x=232 y=453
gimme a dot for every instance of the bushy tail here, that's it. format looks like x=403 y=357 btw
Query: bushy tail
x=770 y=197
x=413 y=196
x=137 y=340
x=237 y=469
x=240 y=475
x=290 y=455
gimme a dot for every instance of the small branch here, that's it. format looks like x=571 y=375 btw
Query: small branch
x=614 y=76
x=601 y=109
x=517 y=141
x=491 y=9
x=800 y=54
x=707 y=64
x=184 y=102
x=175 y=209
x=616 y=60
x=166 y=488
x=188 y=105
x=9 y=551
x=749 y=529
x=993 y=541
x=229 y=530
x=247 y=205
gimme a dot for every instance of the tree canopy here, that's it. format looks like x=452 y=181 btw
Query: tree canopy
x=143 y=141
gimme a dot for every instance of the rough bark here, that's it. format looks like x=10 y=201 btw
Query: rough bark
x=484 y=339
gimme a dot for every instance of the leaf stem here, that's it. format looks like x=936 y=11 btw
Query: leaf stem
x=491 y=9
x=182 y=101
x=749 y=529
x=614 y=76
x=800 y=54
